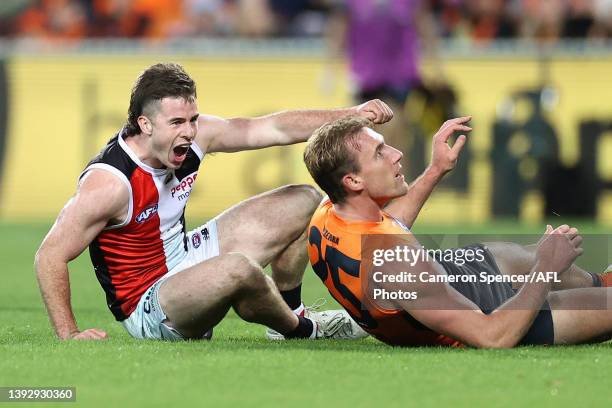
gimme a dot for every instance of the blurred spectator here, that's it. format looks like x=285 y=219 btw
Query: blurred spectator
x=256 y=18
x=212 y=17
x=300 y=17
x=383 y=42
x=479 y=20
x=53 y=19
x=542 y=19
x=490 y=19
x=155 y=19
x=579 y=20
x=602 y=9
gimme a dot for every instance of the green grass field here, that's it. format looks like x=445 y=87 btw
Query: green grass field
x=240 y=368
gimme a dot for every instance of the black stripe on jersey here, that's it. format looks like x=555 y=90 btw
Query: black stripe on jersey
x=115 y=156
x=185 y=239
x=190 y=165
x=101 y=269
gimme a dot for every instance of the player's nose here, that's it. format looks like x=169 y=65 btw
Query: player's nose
x=397 y=155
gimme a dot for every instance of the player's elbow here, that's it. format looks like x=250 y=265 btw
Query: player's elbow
x=495 y=337
x=493 y=343
x=40 y=259
x=43 y=260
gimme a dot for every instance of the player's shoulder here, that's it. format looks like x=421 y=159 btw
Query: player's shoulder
x=322 y=212
x=209 y=128
x=335 y=231
x=114 y=157
x=103 y=188
x=392 y=225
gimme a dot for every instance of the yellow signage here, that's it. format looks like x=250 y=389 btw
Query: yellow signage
x=64 y=109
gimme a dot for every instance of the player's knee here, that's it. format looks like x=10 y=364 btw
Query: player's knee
x=302 y=200
x=244 y=272
x=305 y=195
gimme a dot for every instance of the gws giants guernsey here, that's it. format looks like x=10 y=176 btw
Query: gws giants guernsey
x=131 y=256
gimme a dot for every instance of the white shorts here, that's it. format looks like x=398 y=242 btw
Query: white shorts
x=147 y=320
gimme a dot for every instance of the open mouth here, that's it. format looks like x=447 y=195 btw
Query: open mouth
x=180 y=151
x=399 y=172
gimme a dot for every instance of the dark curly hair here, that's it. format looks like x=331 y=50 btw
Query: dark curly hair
x=155 y=83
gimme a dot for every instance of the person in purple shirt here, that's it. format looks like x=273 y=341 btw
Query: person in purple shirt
x=383 y=41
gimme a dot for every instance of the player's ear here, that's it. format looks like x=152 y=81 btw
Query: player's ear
x=352 y=182
x=145 y=125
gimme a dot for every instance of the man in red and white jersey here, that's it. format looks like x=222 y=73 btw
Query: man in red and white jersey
x=161 y=281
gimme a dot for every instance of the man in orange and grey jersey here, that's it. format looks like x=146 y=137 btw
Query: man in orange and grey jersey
x=368 y=197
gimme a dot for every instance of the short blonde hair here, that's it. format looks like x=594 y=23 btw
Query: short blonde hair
x=329 y=158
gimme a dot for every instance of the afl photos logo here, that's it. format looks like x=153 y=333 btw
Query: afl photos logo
x=147 y=213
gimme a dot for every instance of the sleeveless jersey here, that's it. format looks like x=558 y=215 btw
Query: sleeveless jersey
x=151 y=240
x=334 y=249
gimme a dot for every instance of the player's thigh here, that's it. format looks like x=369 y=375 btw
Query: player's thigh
x=264 y=225
x=196 y=299
x=512 y=258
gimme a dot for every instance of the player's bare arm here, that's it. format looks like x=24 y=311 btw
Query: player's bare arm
x=444 y=310
x=101 y=198
x=278 y=129
x=443 y=159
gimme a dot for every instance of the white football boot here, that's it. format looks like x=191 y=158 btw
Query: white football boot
x=329 y=324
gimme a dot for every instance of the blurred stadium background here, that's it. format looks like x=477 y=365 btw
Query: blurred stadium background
x=534 y=74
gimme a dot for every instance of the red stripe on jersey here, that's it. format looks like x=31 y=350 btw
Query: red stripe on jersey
x=134 y=254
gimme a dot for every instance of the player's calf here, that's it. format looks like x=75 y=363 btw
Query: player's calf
x=581 y=315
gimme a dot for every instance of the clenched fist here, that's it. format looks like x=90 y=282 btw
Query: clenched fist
x=375 y=110
x=558 y=248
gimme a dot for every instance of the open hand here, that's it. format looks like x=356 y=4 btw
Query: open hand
x=443 y=156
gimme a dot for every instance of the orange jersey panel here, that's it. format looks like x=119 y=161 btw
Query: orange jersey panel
x=334 y=248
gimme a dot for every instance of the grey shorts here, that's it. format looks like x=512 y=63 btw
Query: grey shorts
x=489 y=297
x=147 y=320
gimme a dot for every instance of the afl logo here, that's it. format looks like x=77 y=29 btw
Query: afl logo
x=146 y=213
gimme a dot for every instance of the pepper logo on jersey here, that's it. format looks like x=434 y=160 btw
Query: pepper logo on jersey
x=183 y=189
x=147 y=213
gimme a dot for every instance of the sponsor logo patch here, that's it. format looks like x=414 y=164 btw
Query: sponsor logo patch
x=146 y=306
x=196 y=240
x=147 y=213
x=183 y=189
x=205 y=234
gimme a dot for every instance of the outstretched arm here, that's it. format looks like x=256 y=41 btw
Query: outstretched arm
x=443 y=159
x=100 y=198
x=277 y=129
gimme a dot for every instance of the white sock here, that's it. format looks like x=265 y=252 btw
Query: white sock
x=300 y=310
